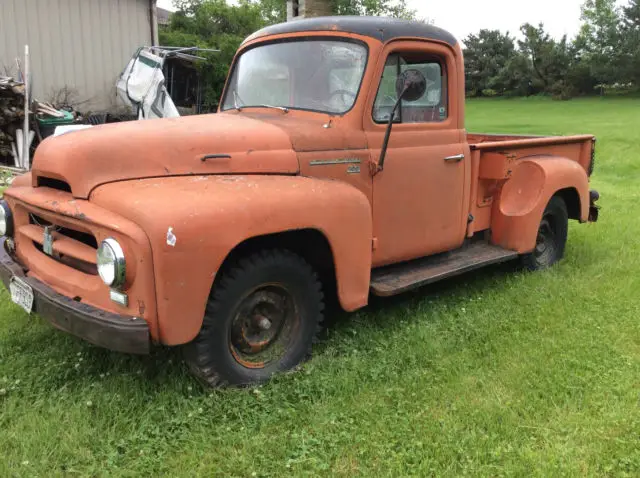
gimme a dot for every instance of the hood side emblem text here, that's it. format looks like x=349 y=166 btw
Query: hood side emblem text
x=321 y=162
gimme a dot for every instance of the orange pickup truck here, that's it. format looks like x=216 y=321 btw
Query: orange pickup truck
x=338 y=166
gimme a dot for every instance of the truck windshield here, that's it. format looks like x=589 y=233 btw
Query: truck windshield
x=318 y=75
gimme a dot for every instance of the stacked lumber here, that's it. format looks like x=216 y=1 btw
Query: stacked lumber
x=11 y=115
x=43 y=110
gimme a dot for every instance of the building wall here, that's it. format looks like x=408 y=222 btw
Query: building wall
x=79 y=44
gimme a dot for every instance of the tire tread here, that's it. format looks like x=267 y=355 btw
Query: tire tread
x=196 y=353
x=557 y=204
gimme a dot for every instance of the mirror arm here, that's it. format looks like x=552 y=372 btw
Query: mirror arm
x=387 y=135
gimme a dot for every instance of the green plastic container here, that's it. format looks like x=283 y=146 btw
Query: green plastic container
x=48 y=125
x=66 y=119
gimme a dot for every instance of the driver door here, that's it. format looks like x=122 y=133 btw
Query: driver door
x=419 y=197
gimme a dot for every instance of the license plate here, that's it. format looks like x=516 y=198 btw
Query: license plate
x=21 y=294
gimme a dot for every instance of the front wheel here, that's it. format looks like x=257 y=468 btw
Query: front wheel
x=262 y=317
x=551 y=238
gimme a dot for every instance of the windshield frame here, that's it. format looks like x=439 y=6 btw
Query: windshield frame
x=305 y=38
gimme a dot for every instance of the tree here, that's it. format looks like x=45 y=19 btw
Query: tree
x=598 y=43
x=221 y=25
x=629 y=70
x=213 y=24
x=631 y=15
x=600 y=26
x=550 y=60
x=389 y=8
x=606 y=52
x=486 y=56
x=273 y=11
x=515 y=77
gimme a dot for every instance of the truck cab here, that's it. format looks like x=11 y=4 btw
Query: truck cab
x=338 y=166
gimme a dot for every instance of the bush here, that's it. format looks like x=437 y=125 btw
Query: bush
x=562 y=91
x=489 y=93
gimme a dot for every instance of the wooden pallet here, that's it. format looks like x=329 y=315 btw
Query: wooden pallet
x=398 y=278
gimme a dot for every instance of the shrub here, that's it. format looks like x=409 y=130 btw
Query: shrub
x=489 y=93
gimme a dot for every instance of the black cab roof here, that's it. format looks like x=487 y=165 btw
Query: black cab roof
x=381 y=28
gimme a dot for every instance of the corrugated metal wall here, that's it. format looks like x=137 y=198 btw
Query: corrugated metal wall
x=81 y=44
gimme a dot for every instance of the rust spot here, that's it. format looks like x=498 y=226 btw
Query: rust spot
x=167 y=169
x=141 y=307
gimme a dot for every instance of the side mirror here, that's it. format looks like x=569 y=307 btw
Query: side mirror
x=411 y=85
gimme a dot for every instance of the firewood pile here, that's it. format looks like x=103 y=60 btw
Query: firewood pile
x=11 y=115
x=12 y=121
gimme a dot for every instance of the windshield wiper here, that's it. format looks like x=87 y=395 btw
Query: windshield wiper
x=239 y=107
x=284 y=109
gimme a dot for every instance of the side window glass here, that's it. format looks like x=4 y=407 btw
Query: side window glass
x=387 y=92
x=432 y=107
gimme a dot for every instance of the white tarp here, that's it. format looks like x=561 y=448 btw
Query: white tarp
x=141 y=86
x=70 y=128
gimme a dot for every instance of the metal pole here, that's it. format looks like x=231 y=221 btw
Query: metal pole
x=25 y=129
x=153 y=18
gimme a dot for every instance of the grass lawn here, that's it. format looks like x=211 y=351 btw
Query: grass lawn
x=498 y=373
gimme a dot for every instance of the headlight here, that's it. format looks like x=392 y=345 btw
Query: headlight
x=6 y=220
x=111 y=263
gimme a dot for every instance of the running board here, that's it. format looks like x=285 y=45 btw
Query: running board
x=398 y=278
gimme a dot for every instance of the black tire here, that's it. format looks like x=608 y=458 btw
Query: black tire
x=235 y=345
x=552 y=237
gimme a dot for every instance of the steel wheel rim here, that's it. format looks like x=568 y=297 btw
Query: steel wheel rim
x=263 y=325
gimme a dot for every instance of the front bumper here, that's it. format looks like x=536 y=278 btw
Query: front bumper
x=105 y=329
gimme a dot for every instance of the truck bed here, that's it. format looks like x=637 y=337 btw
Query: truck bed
x=579 y=148
x=491 y=141
x=493 y=157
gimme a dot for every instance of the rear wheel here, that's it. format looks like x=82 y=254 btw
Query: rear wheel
x=551 y=238
x=262 y=317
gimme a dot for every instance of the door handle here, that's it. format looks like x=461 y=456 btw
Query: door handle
x=454 y=159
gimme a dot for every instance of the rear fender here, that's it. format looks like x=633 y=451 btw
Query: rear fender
x=522 y=200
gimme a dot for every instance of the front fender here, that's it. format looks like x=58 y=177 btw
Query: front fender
x=522 y=200
x=194 y=222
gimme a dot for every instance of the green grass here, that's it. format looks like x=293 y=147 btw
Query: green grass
x=499 y=373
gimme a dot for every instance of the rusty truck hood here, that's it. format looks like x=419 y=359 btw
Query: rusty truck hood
x=194 y=145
